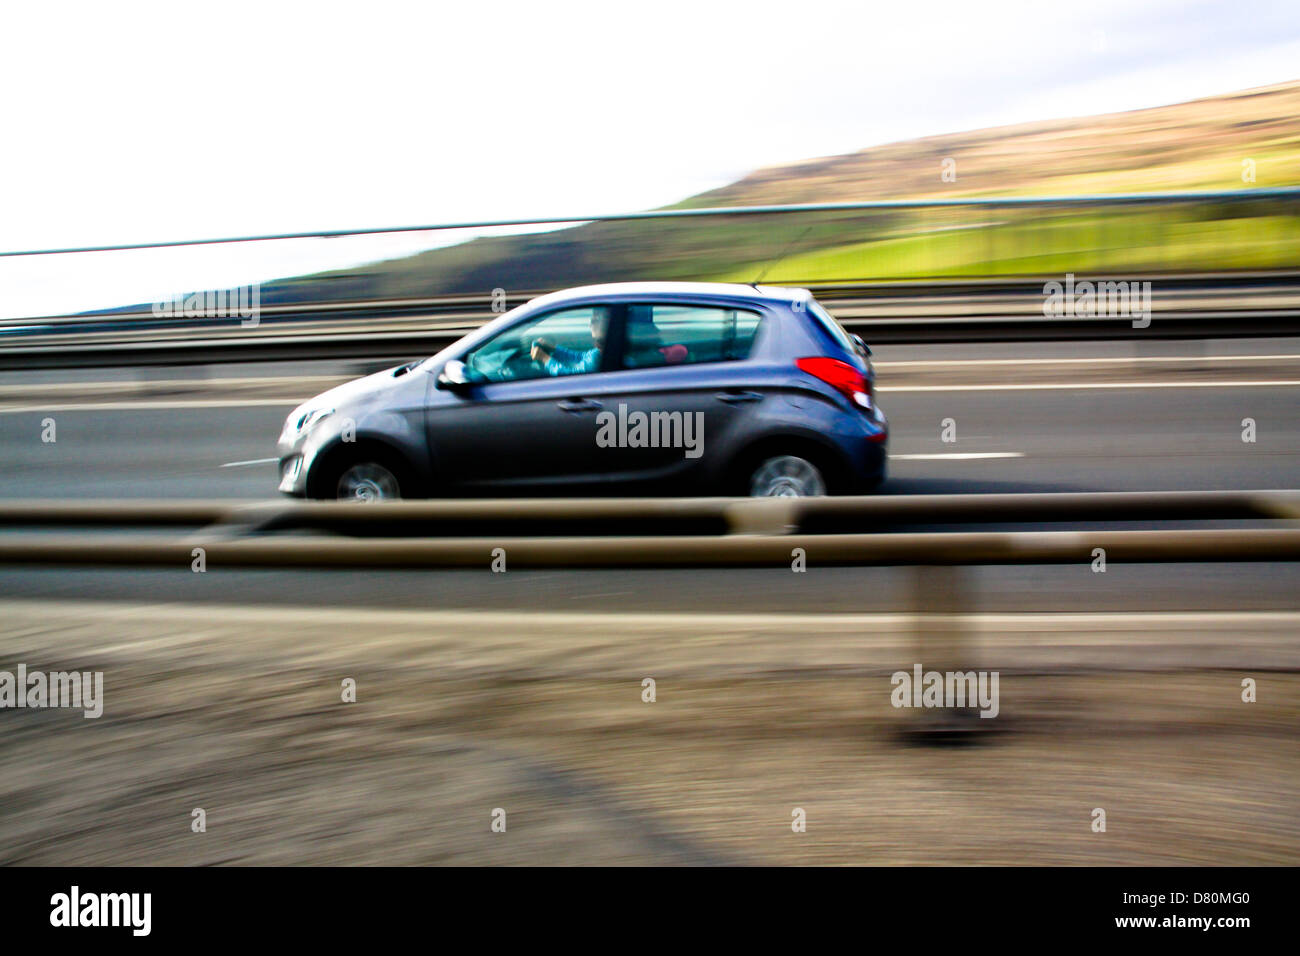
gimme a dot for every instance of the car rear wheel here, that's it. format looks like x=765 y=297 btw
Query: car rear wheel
x=786 y=476
x=367 y=481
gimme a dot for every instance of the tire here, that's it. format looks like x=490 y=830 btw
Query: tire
x=363 y=474
x=367 y=481
x=779 y=475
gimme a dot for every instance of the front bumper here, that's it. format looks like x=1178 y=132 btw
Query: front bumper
x=293 y=476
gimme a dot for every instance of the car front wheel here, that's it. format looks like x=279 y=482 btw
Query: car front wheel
x=367 y=481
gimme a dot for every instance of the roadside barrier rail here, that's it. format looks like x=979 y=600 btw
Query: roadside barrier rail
x=658 y=532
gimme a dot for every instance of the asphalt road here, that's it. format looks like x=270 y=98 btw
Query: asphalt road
x=1057 y=439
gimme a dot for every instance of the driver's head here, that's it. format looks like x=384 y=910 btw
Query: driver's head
x=599 y=326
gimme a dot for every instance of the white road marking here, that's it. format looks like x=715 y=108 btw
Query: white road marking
x=960 y=456
x=1127 y=359
x=1076 y=386
x=131 y=406
x=251 y=461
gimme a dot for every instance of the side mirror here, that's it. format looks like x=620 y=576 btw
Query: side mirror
x=454 y=376
x=862 y=346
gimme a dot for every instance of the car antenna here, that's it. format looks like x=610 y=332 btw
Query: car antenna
x=768 y=268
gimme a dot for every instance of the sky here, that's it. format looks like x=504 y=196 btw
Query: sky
x=137 y=122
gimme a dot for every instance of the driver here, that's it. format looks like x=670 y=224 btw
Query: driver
x=557 y=360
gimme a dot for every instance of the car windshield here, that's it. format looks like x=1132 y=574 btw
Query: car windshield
x=479 y=334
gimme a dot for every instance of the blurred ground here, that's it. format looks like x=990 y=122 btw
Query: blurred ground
x=238 y=711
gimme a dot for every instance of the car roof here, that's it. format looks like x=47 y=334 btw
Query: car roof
x=672 y=290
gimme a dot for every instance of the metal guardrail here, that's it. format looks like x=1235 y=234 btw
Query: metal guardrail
x=746 y=532
x=980 y=291
x=737 y=513
x=1228 y=305
x=944 y=548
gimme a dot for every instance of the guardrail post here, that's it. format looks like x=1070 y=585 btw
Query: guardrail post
x=943 y=599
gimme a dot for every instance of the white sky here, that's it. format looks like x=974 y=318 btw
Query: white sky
x=131 y=121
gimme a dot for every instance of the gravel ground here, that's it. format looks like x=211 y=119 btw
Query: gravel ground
x=239 y=712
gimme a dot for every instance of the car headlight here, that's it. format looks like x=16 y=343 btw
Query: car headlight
x=301 y=422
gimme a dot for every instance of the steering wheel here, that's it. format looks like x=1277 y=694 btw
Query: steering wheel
x=504 y=365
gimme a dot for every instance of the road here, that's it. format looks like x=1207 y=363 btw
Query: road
x=1019 y=426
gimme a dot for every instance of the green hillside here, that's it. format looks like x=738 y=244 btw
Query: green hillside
x=1200 y=145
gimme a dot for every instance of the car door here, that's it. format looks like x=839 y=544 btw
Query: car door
x=685 y=393
x=521 y=426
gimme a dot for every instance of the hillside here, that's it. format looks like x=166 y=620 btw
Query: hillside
x=1198 y=145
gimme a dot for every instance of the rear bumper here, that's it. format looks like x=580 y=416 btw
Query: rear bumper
x=871 y=458
x=874 y=465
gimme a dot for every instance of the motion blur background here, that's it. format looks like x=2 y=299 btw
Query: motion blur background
x=523 y=691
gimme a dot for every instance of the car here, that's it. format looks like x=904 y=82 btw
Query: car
x=616 y=389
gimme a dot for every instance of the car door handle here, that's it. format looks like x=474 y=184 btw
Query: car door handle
x=574 y=405
x=735 y=398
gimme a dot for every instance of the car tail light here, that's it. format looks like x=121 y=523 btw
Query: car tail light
x=841 y=376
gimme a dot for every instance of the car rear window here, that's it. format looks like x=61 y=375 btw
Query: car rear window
x=687 y=335
x=831 y=325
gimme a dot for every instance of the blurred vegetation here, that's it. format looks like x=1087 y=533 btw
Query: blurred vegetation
x=1166 y=240
x=1203 y=145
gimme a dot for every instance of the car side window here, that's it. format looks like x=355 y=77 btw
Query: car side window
x=687 y=334
x=568 y=342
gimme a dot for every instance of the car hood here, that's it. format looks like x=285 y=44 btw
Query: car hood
x=361 y=389
x=407 y=387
